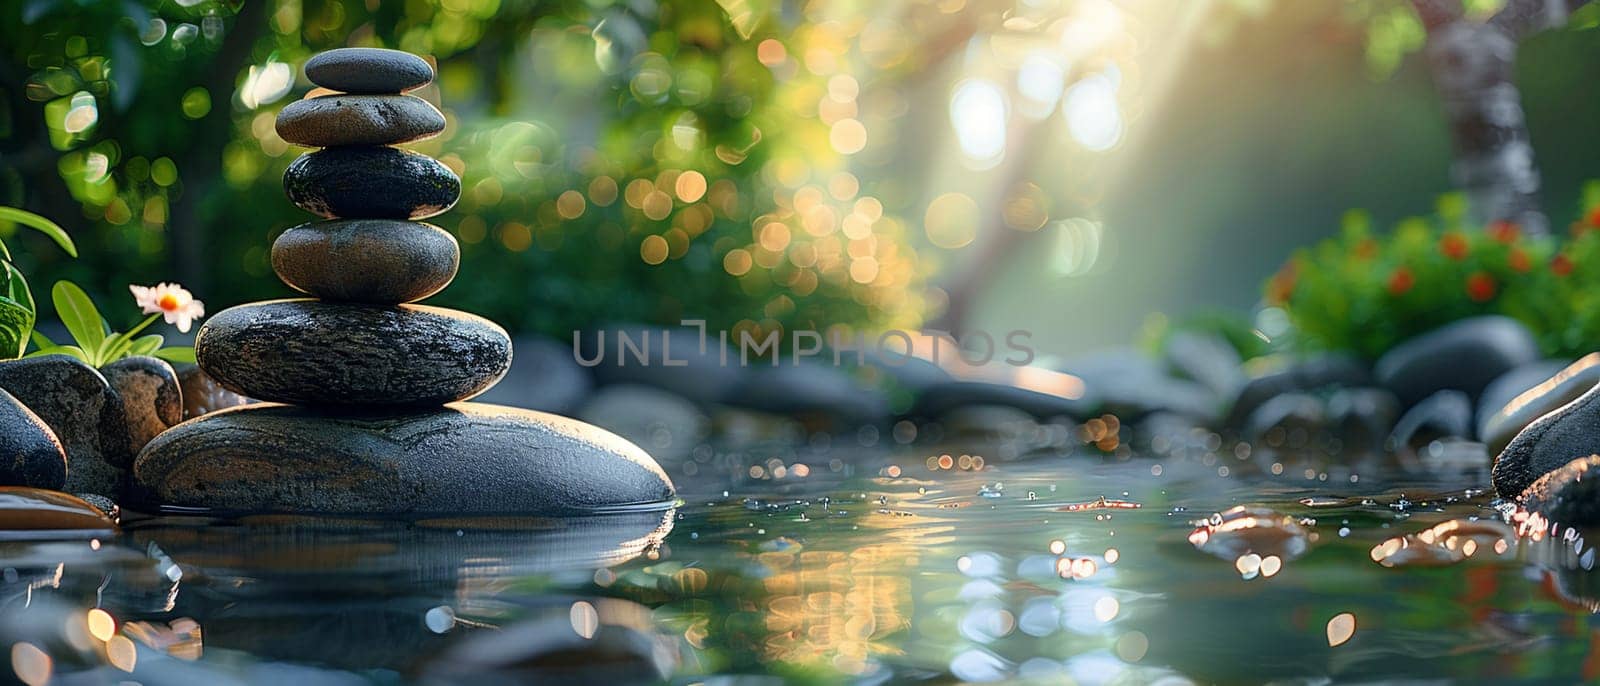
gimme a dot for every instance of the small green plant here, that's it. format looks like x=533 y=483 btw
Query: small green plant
x=1365 y=292
x=98 y=346
x=17 y=310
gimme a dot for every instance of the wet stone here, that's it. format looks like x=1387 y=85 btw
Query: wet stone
x=35 y=513
x=1446 y=414
x=1569 y=495
x=465 y=458
x=152 y=397
x=371 y=183
x=319 y=353
x=1532 y=399
x=30 y=454
x=544 y=376
x=1549 y=443
x=342 y=119
x=1464 y=356
x=77 y=403
x=381 y=261
x=368 y=70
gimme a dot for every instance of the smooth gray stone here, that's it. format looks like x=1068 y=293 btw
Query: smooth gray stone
x=318 y=353
x=383 y=261
x=376 y=182
x=1446 y=414
x=77 y=403
x=811 y=390
x=673 y=360
x=1570 y=495
x=1287 y=412
x=152 y=397
x=464 y=458
x=30 y=454
x=368 y=70
x=543 y=377
x=1208 y=359
x=1362 y=418
x=1549 y=443
x=332 y=120
x=1464 y=356
x=1328 y=369
x=1130 y=384
x=1526 y=398
x=940 y=399
x=665 y=423
x=542 y=647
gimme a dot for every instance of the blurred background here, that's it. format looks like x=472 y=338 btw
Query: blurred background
x=1069 y=167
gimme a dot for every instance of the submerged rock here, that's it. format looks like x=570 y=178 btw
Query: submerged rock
x=1522 y=398
x=572 y=641
x=35 y=513
x=1362 y=418
x=30 y=454
x=1549 y=443
x=152 y=396
x=1291 y=419
x=809 y=390
x=368 y=70
x=1464 y=356
x=1244 y=530
x=1446 y=543
x=321 y=353
x=77 y=403
x=1569 y=495
x=464 y=458
x=383 y=261
x=342 y=119
x=376 y=182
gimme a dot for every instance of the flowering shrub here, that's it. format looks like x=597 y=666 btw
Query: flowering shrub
x=1365 y=292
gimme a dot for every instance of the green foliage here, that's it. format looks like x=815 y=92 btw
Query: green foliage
x=96 y=345
x=1365 y=292
x=18 y=311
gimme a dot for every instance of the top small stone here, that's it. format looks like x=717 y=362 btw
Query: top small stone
x=368 y=70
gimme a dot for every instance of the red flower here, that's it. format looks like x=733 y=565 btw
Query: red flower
x=1366 y=249
x=1480 y=287
x=1504 y=231
x=1518 y=260
x=1281 y=286
x=1453 y=245
x=1561 y=265
x=1401 y=281
x=1594 y=217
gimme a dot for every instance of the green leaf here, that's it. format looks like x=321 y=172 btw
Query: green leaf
x=113 y=348
x=44 y=226
x=77 y=311
x=184 y=355
x=41 y=340
x=71 y=350
x=17 y=288
x=16 y=322
x=145 y=345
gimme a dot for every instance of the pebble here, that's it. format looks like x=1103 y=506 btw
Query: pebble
x=377 y=182
x=382 y=261
x=333 y=120
x=30 y=454
x=368 y=70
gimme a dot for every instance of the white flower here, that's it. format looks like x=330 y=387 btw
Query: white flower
x=175 y=303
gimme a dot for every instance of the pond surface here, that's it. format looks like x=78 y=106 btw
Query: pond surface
x=829 y=565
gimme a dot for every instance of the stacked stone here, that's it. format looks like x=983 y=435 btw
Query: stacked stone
x=370 y=381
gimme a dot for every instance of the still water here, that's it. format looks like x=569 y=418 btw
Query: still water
x=839 y=564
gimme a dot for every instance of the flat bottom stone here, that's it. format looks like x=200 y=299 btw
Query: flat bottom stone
x=465 y=458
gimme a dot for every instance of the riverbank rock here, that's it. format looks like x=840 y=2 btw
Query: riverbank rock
x=30 y=454
x=1208 y=359
x=1569 y=495
x=810 y=390
x=368 y=70
x=465 y=458
x=152 y=396
x=320 y=353
x=85 y=414
x=1362 y=418
x=382 y=261
x=670 y=358
x=1532 y=398
x=371 y=183
x=1549 y=443
x=543 y=377
x=1319 y=371
x=344 y=119
x=1446 y=414
x=1465 y=356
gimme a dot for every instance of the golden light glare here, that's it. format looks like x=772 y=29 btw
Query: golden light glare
x=101 y=625
x=121 y=653
x=771 y=53
x=653 y=250
x=690 y=186
x=737 y=262
x=570 y=205
x=774 y=236
x=848 y=136
x=31 y=665
x=656 y=205
x=951 y=221
x=603 y=191
x=1340 y=629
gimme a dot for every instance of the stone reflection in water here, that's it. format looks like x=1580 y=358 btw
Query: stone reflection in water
x=369 y=594
x=1446 y=543
x=1257 y=540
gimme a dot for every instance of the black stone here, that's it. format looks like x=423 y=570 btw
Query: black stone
x=332 y=120
x=1362 y=417
x=466 y=458
x=371 y=183
x=152 y=398
x=810 y=390
x=37 y=513
x=1570 y=495
x=1208 y=359
x=1464 y=356
x=1549 y=443
x=673 y=359
x=1446 y=414
x=318 y=353
x=1330 y=369
x=382 y=261
x=368 y=70
x=1529 y=392
x=30 y=455
x=86 y=415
